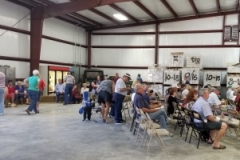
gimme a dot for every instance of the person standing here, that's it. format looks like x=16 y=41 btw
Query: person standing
x=59 y=89
x=70 y=81
x=116 y=78
x=41 y=88
x=139 y=78
x=120 y=93
x=33 y=91
x=2 y=89
x=105 y=91
x=95 y=86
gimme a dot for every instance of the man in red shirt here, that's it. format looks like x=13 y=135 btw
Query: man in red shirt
x=9 y=96
x=40 y=87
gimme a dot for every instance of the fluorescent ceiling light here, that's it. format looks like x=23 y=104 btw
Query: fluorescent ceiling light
x=120 y=17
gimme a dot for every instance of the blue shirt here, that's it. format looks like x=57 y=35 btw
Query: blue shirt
x=33 y=83
x=140 y=102
x=228 y=93
x=146 y=98
x=20 y=90
x=203 y=108
x=59 y=87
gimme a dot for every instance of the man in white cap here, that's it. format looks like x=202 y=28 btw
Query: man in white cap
x=120 y=92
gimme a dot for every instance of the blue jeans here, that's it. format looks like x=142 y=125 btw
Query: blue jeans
x=33 y=95
x=58 y=96
x=1 y=100
x=18 y=96
x=118 y=98
x=68 y=91
x=161 y=116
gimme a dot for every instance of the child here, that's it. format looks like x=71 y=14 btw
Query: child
x=76 y=95
x=10 y=94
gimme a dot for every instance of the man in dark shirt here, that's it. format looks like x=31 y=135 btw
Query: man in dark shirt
x=154 y=111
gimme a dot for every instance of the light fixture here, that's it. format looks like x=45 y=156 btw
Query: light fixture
x=120 y=17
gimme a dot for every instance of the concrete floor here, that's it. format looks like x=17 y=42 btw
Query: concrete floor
x=58 y=133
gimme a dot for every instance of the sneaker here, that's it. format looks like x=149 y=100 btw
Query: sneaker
x=13 y=105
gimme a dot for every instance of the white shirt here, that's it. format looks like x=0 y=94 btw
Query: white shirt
x=184 y=93
x=84 y=90
x=232 y=97
x=213 y=99
x=120 y=84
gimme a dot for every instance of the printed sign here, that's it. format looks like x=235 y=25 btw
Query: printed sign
x=233 y=80
x=194 y=61
x=177 y=59
x=191 y=75
x=212 y=78
x=171 y=77
x=157 y=88
x=155 y=74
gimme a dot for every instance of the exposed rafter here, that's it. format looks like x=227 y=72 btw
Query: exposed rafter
x=86 y=19
x=140 y=5
x=237 y=5
x=104 y=15
x=78 y=20
x=167 y=20
x=218 y=6
x=70 y=7
x=165 y=3
x=123 y=12
x=194 y=7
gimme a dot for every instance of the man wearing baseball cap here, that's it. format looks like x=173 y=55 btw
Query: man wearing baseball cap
x=119 y=94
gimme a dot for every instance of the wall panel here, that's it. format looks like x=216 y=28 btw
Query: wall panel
x=198 y=24
x=231 y=19
x=191 y=39
x=123 y=57
x=145 y=28
x=123 y=40
x=14 y=44
x=59 y=52
x=11 y=13
x=63 y=30
x=212 y=57
x=22 y=68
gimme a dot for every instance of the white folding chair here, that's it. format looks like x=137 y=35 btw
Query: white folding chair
x=234 y=121
x=153 y=132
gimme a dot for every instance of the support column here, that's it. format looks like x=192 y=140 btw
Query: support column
x=89 y=48
x=35 y=39
x=156 y=43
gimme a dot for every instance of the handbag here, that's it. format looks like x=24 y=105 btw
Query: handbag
x=81 y=110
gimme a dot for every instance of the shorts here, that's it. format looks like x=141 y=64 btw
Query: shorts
x=104 y=96
x=9 y=96
x=211 y=125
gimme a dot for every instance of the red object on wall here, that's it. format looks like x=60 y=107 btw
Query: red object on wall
x=58 y=68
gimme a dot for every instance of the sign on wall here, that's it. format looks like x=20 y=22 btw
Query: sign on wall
x=190 y=74
x=233 y=80
x=177 y=59
x=213 y=78
x=157 y=88
x=235 y=32
x=194 y=61
x=227 y=33
x=171 y=76
x=155 y=74
x=234 y=69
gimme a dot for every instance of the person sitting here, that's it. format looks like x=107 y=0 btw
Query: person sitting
x=191 y=97
x=59 y=89
x=214 y=100
x=171 y=98
x=203 y=108
x=228 y=92
x=20 y=92
x=237 y=101
x=185 y=91
x=76 y=96
x=9 y=96
x=153 y=110
x=133 y=86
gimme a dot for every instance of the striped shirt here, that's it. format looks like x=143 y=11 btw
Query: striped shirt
x=2 y=80
x=69 y=79
x=105 y=85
